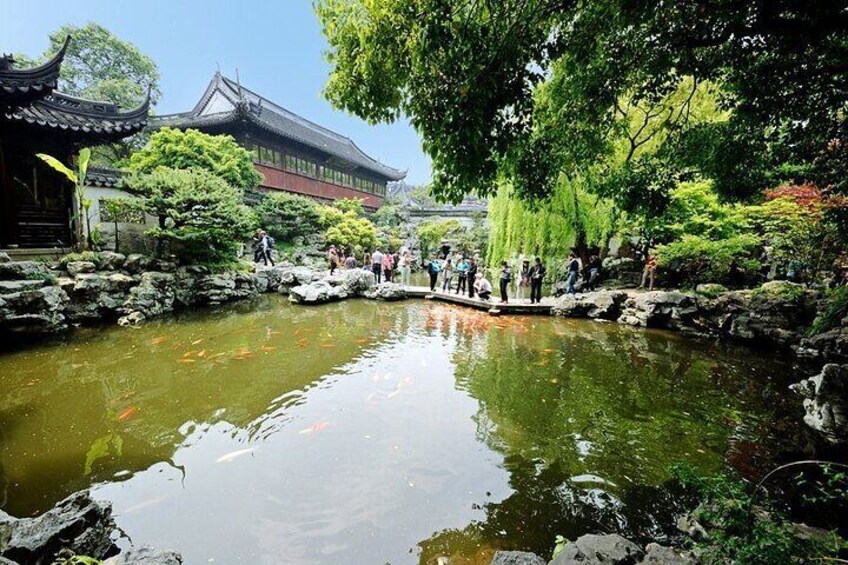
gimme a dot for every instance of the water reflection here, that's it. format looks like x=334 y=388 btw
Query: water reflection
x=352 y=432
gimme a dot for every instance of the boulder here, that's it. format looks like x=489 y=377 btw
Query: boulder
x=78 y=523
x=4 y=257
x=358 y=281
x=826 y=402
x=110 y=261
x=659 y=308
x=74 y=268
x=318 y=292
x=10 y=287
x=39 y=310
x=592 y=549
x=603 y=304
x=22 y=270
x=268 y=278
x=296 y=276
x=137 y=263
x=517 y=558
x=145 y=556
x=386 y=291
x=154 y=295
x=656 y=554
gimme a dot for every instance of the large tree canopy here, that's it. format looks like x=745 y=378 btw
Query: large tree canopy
x=468 y=73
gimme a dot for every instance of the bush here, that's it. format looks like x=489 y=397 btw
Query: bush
x=287 y=216
x=191 y=149
x=200 y=215
x=744 y=528
x=351 y=232
x=692 y=259
x=835 y=309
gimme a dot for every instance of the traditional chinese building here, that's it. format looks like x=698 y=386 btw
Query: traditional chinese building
x=292 y=153
x=37 y=205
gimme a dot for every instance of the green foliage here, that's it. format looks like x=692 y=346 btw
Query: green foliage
x=710 y=290
x=559 y=544
x=82 y=217
x=784 y=290
x=91 y=256
x=834 y=311
x=695 y=209
x=476 y=238
x=351 y=232
x=388 y=216
x=745 y=533
x=696 y=259
x=200 y=215
x=353 y=205
x=67 y=557
x=432 y=231
x=570 y=217
x=191 y=149
x=287 y=216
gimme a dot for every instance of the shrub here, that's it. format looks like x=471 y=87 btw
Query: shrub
x=431 y=232
x=200 y=215
x=693 y=259
x=835 y=309
x=352 y=231
x=287 y=216
x=90 y=256
x=191 y=149
x=353 y=205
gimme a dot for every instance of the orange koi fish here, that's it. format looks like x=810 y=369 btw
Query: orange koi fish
x=315 y=428
x=128 y=413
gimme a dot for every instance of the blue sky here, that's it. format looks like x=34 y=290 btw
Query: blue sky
x=277 y=47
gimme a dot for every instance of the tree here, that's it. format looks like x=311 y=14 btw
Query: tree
x=353 y=205
x=200 y=215
x=352 y=232
x=432 y=231
x=191 y=149
x=288 y=216
x=535 y=84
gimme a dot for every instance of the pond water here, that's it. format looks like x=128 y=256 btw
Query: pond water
x=365 y=432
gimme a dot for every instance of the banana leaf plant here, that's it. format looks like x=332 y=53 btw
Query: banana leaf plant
x=78 y=178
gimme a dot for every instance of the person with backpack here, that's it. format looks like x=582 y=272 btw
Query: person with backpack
x=471 y=276
x=434 y=267
x=266 y=245
x=506 y=278
x=333 y=258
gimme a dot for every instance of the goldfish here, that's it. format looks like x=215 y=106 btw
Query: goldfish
x=315 y=428
x=160 y=339
x=128 y=413
x=233 y=455
x=267 y=348
x=185 y=360
x=196 y=342
x=201 y=353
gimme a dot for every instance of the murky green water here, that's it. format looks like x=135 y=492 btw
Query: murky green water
x=373 y=433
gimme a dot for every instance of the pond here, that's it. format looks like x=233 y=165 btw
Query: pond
x=364 y=432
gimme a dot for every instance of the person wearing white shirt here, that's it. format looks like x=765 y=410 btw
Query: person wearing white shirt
x=377 y=265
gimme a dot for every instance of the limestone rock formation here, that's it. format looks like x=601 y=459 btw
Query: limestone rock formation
x=826 y=402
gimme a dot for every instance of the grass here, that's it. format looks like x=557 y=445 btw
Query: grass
x=835 y=309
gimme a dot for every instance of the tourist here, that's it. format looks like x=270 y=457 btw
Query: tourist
x=377 y=265
x=388 y=266
x=257 y=247
x=433 y=269
x=537 y=275
x=523 y=279
x=462 y=272
x=447 y=276
x=350 y=262
x=649 y=273
x=572 y=269
x=333 y=258
x=505 y=279
x=483 y=287
x=594 y=272
x=794 y=271
x=471 y=276
x=405 y=268
x=266 y=245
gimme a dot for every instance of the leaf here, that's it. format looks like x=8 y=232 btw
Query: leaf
x=58 y=166
x=82 y=164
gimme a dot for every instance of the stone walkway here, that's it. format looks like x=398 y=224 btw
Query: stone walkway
x=493 y=306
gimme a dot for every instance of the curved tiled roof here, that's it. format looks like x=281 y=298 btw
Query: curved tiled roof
x=246 y=105
x=23 y=86
x=86 y=118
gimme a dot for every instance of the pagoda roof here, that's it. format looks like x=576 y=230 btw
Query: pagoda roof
x=23 y=86
x=85 y=120
x=226 y=102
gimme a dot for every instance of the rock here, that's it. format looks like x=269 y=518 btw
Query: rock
x=22 y=270
x=593 y=549
x=691 y=527
x=603 y=304
x=386 y=291
x=154 y=295
x=77 y=523
x=358 y=281
x=10 y=287
x=4 y=258
x=517 y=558
x=659 y=308
x=656 y=554
x=132 y=319
x=826 y=402
x=110 y=261
x=137 y=263
x=145 y=556
x=711 y=290
x=36 y=311
x=318 y=292
x=74 y=268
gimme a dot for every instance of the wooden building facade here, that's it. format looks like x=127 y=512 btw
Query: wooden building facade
x=37 y=205
x=293 y=154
